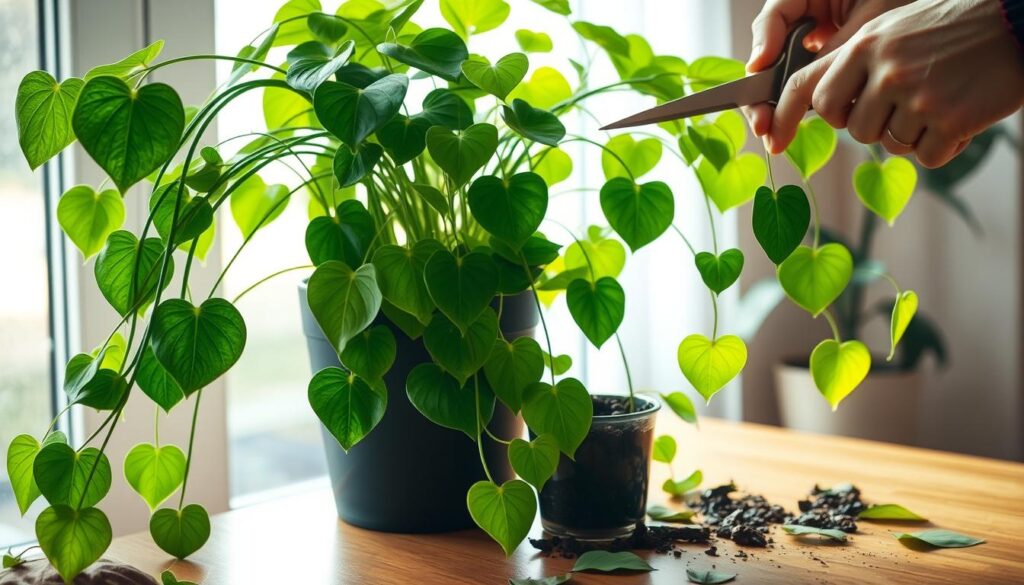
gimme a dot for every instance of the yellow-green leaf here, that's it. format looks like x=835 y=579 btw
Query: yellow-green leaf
x=709 y=365
x=88 y=217
x=885 y=188
x=838 y=368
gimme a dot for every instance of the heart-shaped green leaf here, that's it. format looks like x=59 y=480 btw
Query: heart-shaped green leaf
x=553 y=165
x=404 y=138
x=719 y=272
x=180 y=533
x=156 y=382
x=460 y=155
x=638 y=213
x=534 y=42
x=327 y=28
x=812 y=147
x=435 y=50
x=348 y=406
x=708 y=576
x=510 y=209
x=533 y=123
x=511 y=367
x=605 y=256
x=130 y=65
x=154 y=472
x=498 y=79
x=343 y=301
x=370 y=353
x=597 y=307
x=344 y=238
x=196 y=345
x=128 y=132
x=350 y=167
x=558 y=365
x=461 y=353
x=285 y=108
x=400 y=276
x=43 y=112
x=709 y=365
x=444 y=107
x=61 y=474
x=87 y=383
x=937 y=538
x=664 y=449
x=504 y=511
x=903 y=311
x=837 y=368
x=563 y=410
x=890 y=512
x=535 y=461
x=885 y=188
x=603 y=561
x=681 y=405
x=195 y=215
x=813 y=278
x=545 y=88
x=461 y=287
x=664 y=514
x=351 y=113
x=799 y=530
x=470 y=17
x=168 y=578
x=441 y=398
x=72 y=539
x=735 y=183
x=711 y=71
x=307 y=73
x=638 y=156
x=780 y=220
x=254 y=204
x=21 y=455
x=682 y=487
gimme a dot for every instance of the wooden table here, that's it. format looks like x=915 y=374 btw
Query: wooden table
x=300 y=541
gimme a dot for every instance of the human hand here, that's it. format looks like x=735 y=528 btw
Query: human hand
x=922 y=78
x=837 y=21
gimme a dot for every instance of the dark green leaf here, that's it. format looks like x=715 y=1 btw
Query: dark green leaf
x=780 y=220
x=180 y=533
x=128 y=132
x=708 y=576
x=72 y=539
x=937 y=538
x=89 y=385
x=195 y=215
x=347 y=405
x=461 y=287
x=443 y=107
x=564 y=410
x=345 y=238
x=510 y=209
x=719 y=272
x=21 y=455
x=206 y=171
x=798 y=530
x=10 y=561
x=603 y=561
x=461 y=354
x=328 y=28
x=498 y=79
x=168 y=578
x=433 y=197
x=533 y=123
x=156 y=382
x=511 y=367
x=117 y=278
x=196 y=345
x=352 y=167
x=440 y=398
x=404 y=138
x=435 y=50
x=257 y=53
x=461 y=155
x=370 y=353
x=61 y=474
x=307 y=73
x=638 y=213
x=505 y=512
x=43 y=112
x=351 y=113
x=409 y=324
x=400 y=276
x=535 y=461
x=890 y=512
x=343 y=301
x=597 y=307
x=537 y=251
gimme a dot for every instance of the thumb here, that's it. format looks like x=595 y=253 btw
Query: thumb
x=769 y=30
x=795 y=101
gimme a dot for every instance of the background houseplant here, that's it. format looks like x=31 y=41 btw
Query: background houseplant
x=450 y=244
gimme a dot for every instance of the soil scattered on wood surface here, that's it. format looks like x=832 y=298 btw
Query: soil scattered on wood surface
x=660 y=539
x=836 y=507
x=744 y=520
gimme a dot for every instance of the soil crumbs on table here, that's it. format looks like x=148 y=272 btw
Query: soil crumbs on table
x=745 y=519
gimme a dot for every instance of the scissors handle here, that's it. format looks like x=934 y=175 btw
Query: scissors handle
x=794 y=56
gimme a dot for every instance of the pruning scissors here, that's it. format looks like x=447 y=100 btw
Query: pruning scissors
x=764 y=86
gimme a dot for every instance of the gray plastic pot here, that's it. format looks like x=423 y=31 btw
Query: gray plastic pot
x=409 y=474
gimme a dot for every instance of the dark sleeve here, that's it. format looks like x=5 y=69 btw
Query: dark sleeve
x=1013 y=14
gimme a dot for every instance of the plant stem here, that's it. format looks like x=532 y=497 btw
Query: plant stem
x=685 y=240
x=540 y=312
x=575 y=138
x=711 y=224
x=191 y=443
x=832 y=324
x=494 y=437
x=817 y=215
x=768 y=163
x=629 y=377
x=156 y=425
x=479 y=436
x=714 y=307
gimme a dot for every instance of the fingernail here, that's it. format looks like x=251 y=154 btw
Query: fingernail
x=755 y=52
x=767 y=142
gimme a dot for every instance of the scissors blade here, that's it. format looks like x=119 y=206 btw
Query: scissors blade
x=752 y=89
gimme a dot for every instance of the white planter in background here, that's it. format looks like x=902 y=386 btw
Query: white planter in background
x=884 y=407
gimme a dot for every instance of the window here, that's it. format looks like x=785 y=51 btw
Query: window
x=30 y=333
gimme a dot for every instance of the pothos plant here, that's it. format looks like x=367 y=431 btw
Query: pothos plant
x=424 y=213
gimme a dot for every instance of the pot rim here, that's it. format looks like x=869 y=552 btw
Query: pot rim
x=629 y=416
x=879 y=367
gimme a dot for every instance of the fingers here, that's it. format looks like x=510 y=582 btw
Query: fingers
x=770 y=28
x=759 y=116
x=903 y=132
x=841 y=85
x=935 y=149
x=870 y=114
x=796 y=98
